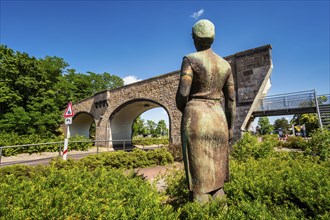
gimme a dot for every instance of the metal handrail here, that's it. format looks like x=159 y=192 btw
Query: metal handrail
x=31 y=145
x=86 y=141
x=287 y=101
x=290 y=93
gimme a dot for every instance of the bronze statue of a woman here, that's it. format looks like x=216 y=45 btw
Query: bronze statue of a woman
x=206 y=127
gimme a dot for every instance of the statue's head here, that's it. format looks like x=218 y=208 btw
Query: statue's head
x=203 y=34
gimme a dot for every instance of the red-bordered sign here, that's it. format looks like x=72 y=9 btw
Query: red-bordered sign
x=68 y=111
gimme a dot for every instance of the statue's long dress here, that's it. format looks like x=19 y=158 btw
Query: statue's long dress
x=204 y=125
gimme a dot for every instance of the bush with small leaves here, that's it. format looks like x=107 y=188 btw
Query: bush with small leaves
x=150 y=141
x=249 y=146
x=319 y=145
x=295 y=142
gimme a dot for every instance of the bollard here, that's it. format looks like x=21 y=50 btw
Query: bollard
x=65 y=149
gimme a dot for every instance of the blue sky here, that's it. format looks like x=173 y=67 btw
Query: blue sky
x=148 y=38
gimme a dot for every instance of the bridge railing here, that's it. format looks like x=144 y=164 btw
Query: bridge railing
x=121 y=144
x=304 y=99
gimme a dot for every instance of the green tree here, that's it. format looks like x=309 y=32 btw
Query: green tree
x=81 y=85
x=161 y=129
x=282 y=123
x=138 y=127
x=34 y=92
x=151 y=128
x=29 y=96
x=264 y=126
x=310 y=120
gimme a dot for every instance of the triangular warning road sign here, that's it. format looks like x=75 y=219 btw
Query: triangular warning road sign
x=68 y=111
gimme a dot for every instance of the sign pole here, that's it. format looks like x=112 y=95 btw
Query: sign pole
x=68 y=120
x=66 y=142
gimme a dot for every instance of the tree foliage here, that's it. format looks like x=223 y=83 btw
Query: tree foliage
x=149 y=127
x=309 y=120
x=138 y=127
x=282 y=123
x=161 y=128
x=34 y=91
x=264 y=126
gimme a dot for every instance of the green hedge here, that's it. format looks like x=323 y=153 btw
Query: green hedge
x=79 y=193
x=319 y=145
x=150 y=141
x=249 y=146
x=263 y=185
x=295 y=142
x=282 y=186
x=87 y=189
x=122 y=159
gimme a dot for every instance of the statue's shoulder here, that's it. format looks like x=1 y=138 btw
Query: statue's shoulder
x=193 y=56
x=224 y=63
x=196 y=56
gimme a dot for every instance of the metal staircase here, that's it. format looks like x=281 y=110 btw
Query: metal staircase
x=324 y=109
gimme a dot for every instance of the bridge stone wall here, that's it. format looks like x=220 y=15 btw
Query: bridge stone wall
x=251 y=69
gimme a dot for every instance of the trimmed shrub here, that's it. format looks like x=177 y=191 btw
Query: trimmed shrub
x=150 y=141
x=319 y=145
x=122 y=159
x=283 y=185
x=278 y=187
x=295 y=142
x=249 y=146
x=78 y=193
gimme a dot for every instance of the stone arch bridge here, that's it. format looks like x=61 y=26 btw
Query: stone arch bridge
x=114 y=111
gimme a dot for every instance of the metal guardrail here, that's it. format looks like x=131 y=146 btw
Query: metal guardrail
x=126 y=145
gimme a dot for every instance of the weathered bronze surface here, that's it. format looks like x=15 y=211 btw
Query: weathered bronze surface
x=206 y=87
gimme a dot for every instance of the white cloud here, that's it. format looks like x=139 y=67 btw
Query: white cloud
x=130 y=80
x=196 y=15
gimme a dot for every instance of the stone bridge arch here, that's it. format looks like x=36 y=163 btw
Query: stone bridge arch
x=82 y=122
x=251 y=70
x=121 y=119
x=115 y=110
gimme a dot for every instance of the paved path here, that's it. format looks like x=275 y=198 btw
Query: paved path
x=151 y=174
